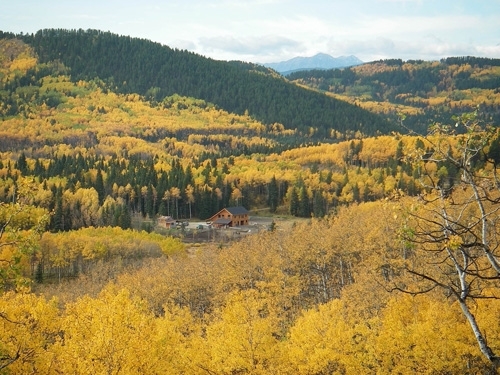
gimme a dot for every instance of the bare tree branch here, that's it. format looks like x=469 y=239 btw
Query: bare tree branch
x=454 y=232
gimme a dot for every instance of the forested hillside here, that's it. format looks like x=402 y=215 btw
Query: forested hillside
x=132 y=65
x=424 y=91
x=177 y=156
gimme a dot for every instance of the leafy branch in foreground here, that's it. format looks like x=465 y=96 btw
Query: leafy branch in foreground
x=453 y=233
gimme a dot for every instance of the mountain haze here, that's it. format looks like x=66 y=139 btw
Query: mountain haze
x=318 y=61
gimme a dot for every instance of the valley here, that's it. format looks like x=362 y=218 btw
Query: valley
x=372 y=194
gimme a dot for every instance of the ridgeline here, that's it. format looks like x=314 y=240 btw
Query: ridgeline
x=133 y=65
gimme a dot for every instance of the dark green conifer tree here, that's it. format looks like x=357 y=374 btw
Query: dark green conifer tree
x=99 y=186
x=304 y=204
x=22 y=164
x=294 y=202
x=319 y=204
x=39 y=273
x=57 y=219
x=162 y=209
x=355 y=193
x=149 y=203
x=124 y=219
x=273 y=195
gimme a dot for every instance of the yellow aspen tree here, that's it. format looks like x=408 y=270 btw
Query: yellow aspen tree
x=175 y=195
x=241 y=339
x=411 y=338
x=21 y=226
x=236 y=196
x=107 y=335
x=190 y=197
x=29 y=326
x=262 y=263
x=324 y=340
x=178 y=342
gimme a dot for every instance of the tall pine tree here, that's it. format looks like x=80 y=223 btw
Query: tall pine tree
x=273 y=195
x=294 y=202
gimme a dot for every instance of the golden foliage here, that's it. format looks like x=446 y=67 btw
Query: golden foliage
x=106 y=336
x=29 y=327
x=257 y=306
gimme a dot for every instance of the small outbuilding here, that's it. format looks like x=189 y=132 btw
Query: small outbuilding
x=166 y=222
x=230 y=217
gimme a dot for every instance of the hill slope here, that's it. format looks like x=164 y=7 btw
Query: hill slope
x=425 y=91
x=141 y=66
x=179 y=156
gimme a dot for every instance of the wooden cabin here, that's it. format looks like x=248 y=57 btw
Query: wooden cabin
x=230 y=217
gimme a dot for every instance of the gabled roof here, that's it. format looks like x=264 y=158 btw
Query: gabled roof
x=240 y=210
x=222 y=221
x=167 y=219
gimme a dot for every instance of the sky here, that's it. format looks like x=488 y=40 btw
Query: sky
x=264 y=31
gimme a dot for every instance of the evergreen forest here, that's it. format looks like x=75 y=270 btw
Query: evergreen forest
x=131 y=65
x=425 y=91
x=379 y=181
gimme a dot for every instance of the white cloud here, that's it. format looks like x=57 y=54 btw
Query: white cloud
x=276 y=30
x=250 y=45
x=488 y=50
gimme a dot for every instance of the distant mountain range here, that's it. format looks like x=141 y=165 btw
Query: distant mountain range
x=319 y=61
